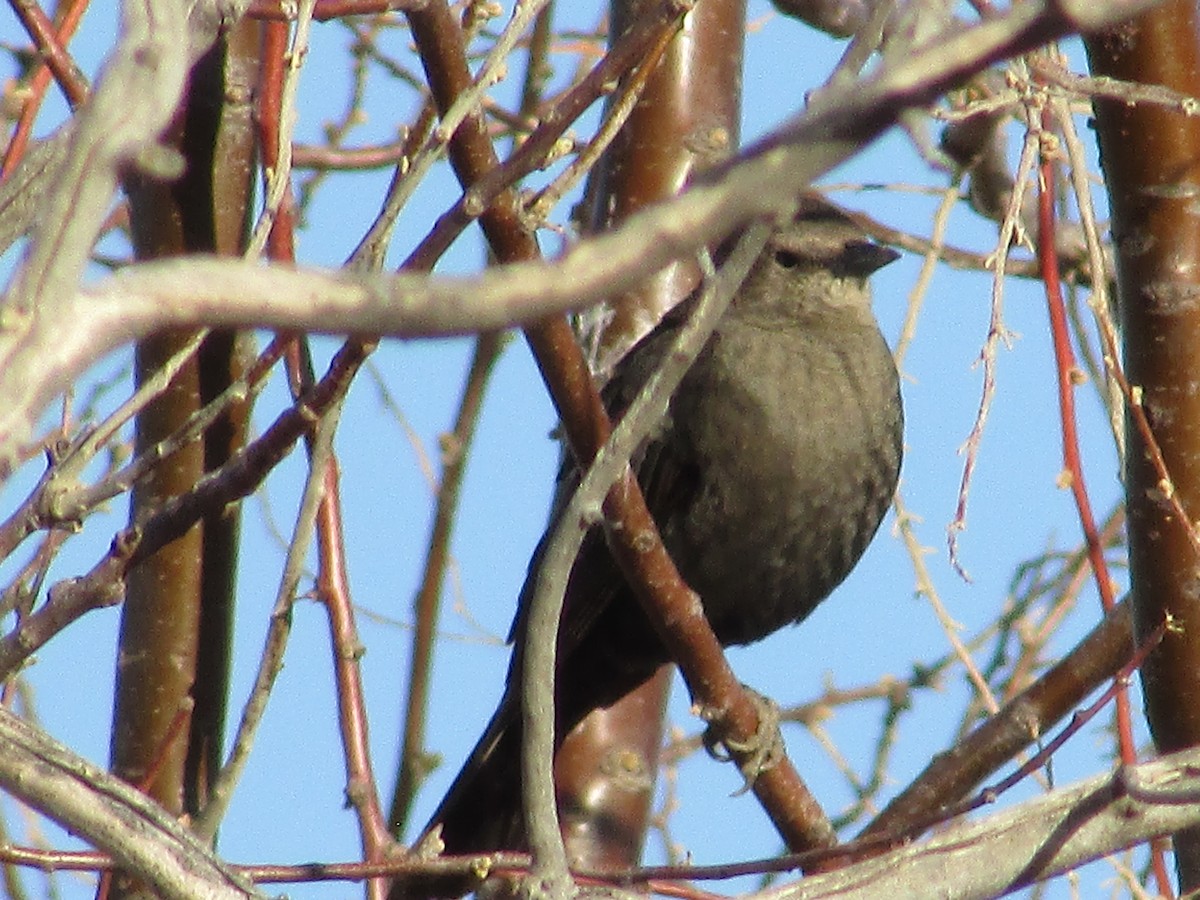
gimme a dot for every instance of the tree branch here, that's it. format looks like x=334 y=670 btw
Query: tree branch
x=111 y=815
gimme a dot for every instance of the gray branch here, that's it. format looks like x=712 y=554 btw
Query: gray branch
x=50 y=331
x=1031 y=842
x=113 y=816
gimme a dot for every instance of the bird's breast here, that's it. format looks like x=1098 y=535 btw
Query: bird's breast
x=795 y=439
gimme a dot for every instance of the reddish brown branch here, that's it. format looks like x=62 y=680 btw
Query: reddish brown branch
x=1068 y=372
x=311 y=156
x=636 y=545
x=680 y=99
x=1099 y=656
x=1151 y=155
x=281 y=242
x=532 y=153
x=361 y=788
x=52 y=44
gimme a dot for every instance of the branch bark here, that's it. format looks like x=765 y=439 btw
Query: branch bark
x=52 y=332
x=113 y=816
x=1002 y=853
x=1149 y=155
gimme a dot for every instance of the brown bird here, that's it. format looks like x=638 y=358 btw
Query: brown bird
x=770 y=476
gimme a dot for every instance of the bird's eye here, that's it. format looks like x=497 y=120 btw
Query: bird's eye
x=787 y=259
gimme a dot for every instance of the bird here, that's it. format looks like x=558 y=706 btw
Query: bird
x=768 y=478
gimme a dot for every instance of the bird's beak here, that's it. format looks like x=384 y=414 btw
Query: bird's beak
x=865 y=257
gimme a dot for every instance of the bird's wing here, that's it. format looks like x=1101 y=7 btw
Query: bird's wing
x=667 y=475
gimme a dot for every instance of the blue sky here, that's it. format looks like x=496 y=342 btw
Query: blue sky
x=290 y=807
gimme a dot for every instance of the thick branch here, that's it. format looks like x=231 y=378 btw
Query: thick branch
x=1028 y=843
x=1149 y=157
x=58 y=333
x=112 y=816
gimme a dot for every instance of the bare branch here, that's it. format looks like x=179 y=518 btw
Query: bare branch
x=1013 y=849
x=113 y=816
x=59 y=332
